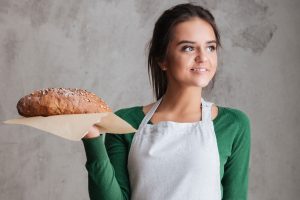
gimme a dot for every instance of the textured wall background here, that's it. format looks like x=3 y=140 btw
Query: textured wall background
x=100 y=46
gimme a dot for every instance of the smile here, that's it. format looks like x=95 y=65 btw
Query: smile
x=199 y=69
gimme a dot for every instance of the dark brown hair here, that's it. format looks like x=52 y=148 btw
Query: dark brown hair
x=162 y=35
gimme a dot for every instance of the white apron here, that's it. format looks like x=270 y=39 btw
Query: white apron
x=175 y=161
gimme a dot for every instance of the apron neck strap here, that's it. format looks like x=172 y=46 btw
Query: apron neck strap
x=150 y=113
x=206 y=110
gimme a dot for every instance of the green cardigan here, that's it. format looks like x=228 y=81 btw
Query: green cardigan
x=107 y=156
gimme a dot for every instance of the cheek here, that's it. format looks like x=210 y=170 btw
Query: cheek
x=214 y=61
x=214 y=66
x=177 y=64
x=180 y=61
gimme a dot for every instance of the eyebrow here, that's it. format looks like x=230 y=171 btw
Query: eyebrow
x=191 y=42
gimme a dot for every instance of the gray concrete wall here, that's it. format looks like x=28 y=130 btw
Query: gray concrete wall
x=100 y=46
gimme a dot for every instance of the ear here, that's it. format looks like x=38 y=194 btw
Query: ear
x=162 y=65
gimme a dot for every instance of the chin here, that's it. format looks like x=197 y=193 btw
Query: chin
x=201 y=84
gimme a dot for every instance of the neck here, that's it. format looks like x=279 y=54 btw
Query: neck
x=181 y=100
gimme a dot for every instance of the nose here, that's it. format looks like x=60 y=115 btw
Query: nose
x=200 y=56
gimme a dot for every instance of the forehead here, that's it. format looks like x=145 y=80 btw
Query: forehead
x=195 y=29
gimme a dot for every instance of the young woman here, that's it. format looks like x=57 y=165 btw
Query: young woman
x=185 y=147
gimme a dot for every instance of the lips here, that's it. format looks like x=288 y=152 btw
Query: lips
x=199 y=69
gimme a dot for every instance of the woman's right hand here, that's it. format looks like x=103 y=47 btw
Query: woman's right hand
x=92 y=132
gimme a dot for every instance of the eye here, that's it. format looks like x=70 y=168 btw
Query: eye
x=211 y=48
x=187 y=48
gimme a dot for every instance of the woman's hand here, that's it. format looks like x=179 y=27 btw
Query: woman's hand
x=92 y=132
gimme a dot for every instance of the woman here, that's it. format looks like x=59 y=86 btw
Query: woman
x=184 y=147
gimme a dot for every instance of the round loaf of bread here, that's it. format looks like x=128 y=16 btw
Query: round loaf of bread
x=60 y=101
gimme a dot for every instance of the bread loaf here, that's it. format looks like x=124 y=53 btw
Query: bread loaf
x=60 y=101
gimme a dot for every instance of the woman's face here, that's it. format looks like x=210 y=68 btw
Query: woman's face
x=191 y=50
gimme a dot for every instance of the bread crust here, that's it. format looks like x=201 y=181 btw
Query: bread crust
x=60 y=101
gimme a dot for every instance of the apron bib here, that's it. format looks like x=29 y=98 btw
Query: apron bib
x=175 y=161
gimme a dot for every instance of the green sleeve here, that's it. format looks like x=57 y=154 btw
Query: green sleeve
x=236 y=169
x=106 y=168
